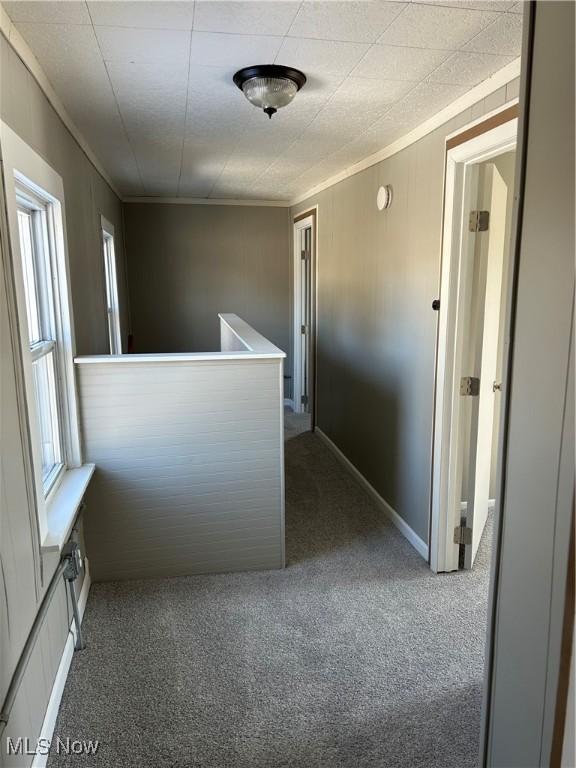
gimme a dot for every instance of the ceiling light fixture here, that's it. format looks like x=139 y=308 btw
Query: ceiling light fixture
x=269 y=86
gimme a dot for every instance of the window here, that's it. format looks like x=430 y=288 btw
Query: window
x=36 y=234
x=111 y=288
x=43 y=326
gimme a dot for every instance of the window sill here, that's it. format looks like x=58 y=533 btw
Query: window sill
x=63 y=507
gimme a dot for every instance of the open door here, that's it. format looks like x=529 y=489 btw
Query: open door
x=490 y=254
x=471 y=343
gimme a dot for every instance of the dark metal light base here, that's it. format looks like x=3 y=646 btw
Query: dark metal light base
x=269 y=70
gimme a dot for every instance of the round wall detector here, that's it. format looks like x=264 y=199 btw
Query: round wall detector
x=384 y=197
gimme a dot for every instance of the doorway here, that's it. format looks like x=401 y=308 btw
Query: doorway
x=471 y=342
x=304 y=389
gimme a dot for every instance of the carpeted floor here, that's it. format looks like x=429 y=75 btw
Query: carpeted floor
x=354 y=656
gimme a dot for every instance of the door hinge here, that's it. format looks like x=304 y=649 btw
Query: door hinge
x=469 y=386
x=479 y=221
x=304 y=400
x=304 y=255
x=462 y=534
x=303 y=329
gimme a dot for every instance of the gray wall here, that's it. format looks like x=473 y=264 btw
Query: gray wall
x=187 y=263
x=25 y=572
x=538 y=478
x=26 y=110
x=377 y=275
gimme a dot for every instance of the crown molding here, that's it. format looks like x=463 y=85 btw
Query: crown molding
x=24 y=52
x=209 y=201
x=482 y=90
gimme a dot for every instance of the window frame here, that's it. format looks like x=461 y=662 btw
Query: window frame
x=111 y=286
x=25 y=171
x=42 y=265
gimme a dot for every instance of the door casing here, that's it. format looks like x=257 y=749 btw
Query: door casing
x=307 y=219
x=461 y=161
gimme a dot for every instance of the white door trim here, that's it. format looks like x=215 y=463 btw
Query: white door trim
x=311 y=220
x=443 y=550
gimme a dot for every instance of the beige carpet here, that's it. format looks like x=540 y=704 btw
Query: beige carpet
x=354 y=656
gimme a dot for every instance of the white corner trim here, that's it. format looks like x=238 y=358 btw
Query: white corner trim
x=419 y=545
x=482 y=90
x=289 y=403
x=209 y=201
x=15 y=39
x=49 y=722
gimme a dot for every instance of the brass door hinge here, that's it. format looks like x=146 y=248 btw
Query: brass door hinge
x=469 y=386
x=462 y=535
x=479 y=221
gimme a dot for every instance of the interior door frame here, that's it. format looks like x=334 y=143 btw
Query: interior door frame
x=491 y=138
x=299 y=222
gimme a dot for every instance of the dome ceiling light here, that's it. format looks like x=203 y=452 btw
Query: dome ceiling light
x=269 y=86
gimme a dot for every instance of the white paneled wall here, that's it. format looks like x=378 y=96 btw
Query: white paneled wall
x=189 y=457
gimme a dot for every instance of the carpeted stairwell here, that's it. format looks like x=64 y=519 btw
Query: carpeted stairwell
x=354 y=656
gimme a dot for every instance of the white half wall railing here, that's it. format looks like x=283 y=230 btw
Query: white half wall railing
x=189 y=455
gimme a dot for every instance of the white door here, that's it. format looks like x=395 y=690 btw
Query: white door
x=470 y=288
x=490 y=252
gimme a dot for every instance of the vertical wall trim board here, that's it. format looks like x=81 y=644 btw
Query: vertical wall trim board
x=536 y=498
x=420 y=546
x=507 y=371
x=507 y=380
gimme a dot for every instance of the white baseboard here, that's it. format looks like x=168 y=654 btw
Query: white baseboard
x=289 y=403
x=419 y=545
x=49 y=723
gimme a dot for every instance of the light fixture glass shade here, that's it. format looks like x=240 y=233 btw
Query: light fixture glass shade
x=269 y=92
x=269 y=86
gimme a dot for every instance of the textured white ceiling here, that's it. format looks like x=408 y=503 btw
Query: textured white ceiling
x=149 y=84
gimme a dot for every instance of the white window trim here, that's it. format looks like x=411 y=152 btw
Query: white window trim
x=23 y=165
x=114 y=333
